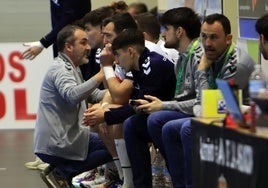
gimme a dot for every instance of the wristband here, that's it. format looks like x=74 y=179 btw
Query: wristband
x=108 y=72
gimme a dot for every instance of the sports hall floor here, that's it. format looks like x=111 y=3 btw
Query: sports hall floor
x=16 y=148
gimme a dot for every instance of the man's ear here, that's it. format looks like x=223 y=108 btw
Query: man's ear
x=229 y=39
x=262 y=39
x=179 y=31
x=68 y=46
x=146 y=36
x=131 y=50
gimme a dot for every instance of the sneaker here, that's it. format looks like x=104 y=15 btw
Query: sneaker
x=116 y=184
x=106 y=184
x=91 y=183
x=53 y=179
x=113 y=174
x=34 y=164
x=113 y=180
x=82 y=177
x=85 y=176
x=42 y=166
x=102 y=181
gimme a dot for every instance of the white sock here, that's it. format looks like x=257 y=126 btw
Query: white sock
x=118 y=166
x=125 y=164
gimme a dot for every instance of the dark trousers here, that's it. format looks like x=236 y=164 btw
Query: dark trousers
x=138 y=131
x=97 y=155
x=176 y=137
x=166 y=131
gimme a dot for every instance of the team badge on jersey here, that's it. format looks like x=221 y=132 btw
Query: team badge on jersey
x=146 y=66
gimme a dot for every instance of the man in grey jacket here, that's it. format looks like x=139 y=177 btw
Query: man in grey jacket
x=60 y=139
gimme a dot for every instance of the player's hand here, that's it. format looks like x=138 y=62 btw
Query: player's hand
x=107 y=57
x=155 y=104
x=204 y=63
x=35 y=48
x=93 y=116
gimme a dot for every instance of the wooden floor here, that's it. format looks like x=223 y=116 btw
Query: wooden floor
x=16 y=148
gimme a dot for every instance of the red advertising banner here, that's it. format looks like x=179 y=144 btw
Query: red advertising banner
x=20 y=82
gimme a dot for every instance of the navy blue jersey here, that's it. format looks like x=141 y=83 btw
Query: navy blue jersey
x=92 y=67
x=156 y=77
x=64 y=12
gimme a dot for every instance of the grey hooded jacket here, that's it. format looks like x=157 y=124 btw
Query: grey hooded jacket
x=58 y=130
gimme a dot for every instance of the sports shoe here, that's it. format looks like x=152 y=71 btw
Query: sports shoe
x=106 y=184
x=34 y=164
x=53 y=179
x=85 y=176
x=116 y=184
x=102 y=182
x=99 y=179
x=112 y=180
x=42 y=166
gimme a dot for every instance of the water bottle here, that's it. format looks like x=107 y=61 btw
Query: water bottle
x=168 y=182
x=257 y=82
x=158 y=171
x=257 y=89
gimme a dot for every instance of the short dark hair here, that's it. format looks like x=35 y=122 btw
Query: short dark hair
x=127 y=38
x=119 y=6
x=96 y=16
x=261 y=26
x=183 y=17
x=225 y=22
x=121 y=21
x=139 y=7
x=66 y=34
x=148 y=23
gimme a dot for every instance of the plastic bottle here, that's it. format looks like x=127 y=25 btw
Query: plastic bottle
x=257 y=82
x=168 y=182
x=158 y=170
x=253 y=116
x=257 y=88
